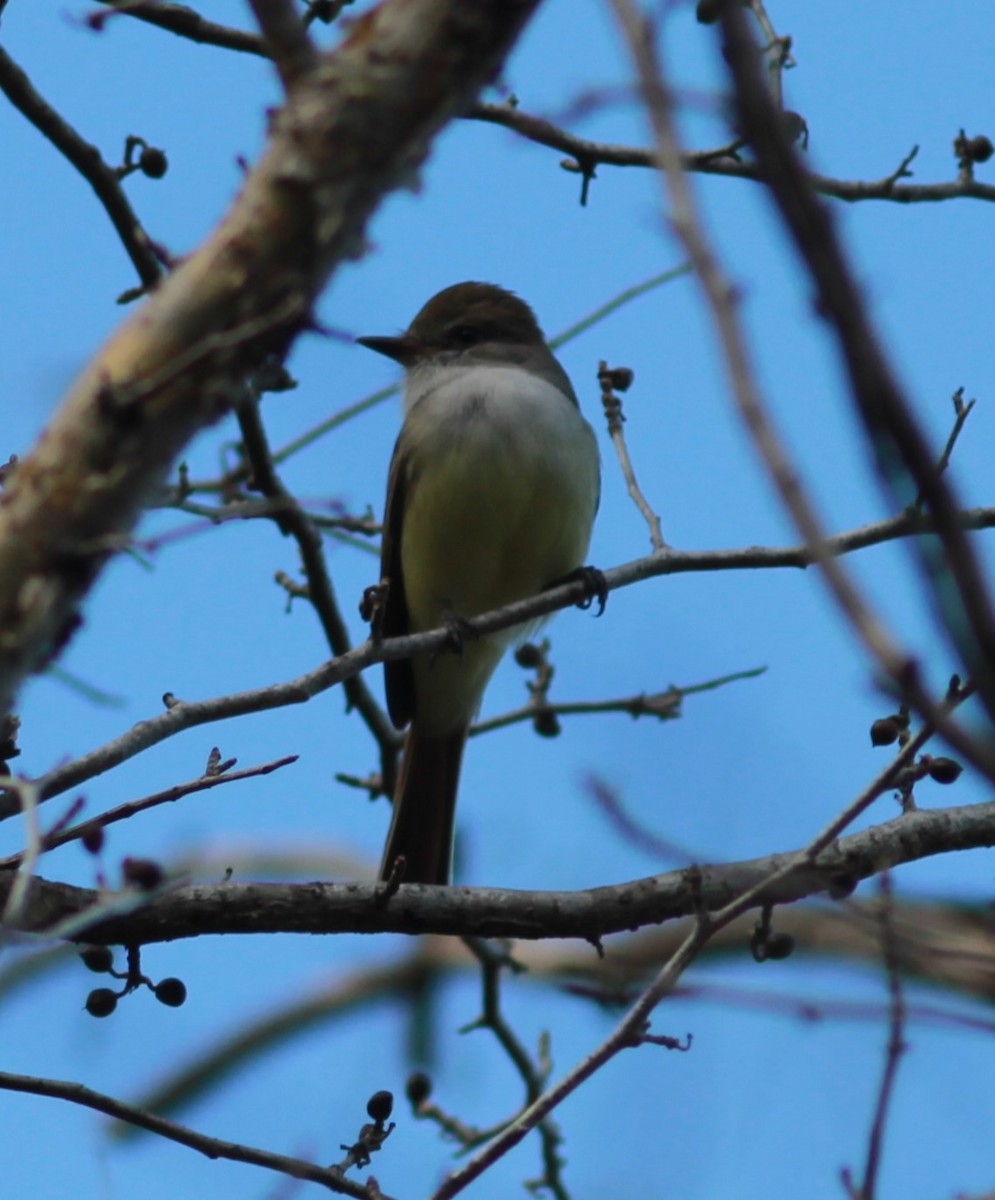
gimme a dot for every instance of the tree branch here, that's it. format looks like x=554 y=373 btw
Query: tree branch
x=722 y=161
x=186 y=23
x=905 y=463
x=86 y=158
x=255 y=908
x=213 y=1148
x=184 y=714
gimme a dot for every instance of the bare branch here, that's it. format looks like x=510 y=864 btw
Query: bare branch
x=256 y=908
x=664 y=706
x=892 y=660
x=186 y=23
x=492 y=962
x=214 y=1148
x=904 y=460
x=123 y=812
x=897 y=1015
x=723 y=161
x=182 y=715
x=86 y=158
x=293 y=520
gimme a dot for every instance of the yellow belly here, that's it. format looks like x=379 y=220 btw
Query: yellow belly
x=500 y=504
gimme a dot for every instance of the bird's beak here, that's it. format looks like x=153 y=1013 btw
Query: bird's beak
x=405 y=350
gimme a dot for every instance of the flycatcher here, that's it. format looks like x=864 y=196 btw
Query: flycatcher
x=492 y=492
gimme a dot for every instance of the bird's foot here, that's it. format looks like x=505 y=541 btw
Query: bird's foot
x=595 y=582
x=458 y=631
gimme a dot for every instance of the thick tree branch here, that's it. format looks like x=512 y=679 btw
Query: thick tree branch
x=254 y=908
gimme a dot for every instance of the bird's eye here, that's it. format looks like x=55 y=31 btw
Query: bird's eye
x=465 y=335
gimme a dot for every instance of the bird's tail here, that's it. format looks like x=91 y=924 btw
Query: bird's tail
x=421 y=828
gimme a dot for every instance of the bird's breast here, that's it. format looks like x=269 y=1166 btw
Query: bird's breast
x=503 y=481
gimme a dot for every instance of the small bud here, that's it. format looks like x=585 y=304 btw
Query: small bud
x=101 y=1002
x=97 y=958
x=379 y=1106
x=144 y=873
x=980 y=149
x=171 y=992
x=944 y=770
x=884 y=731
x=418 y=1088
x=153 y=162
x=707 y=11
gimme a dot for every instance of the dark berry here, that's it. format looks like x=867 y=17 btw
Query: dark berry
x=529 y=656
x=97 y=958
x=101 y=1002
x=418 y=1088
x=153 y=163
x=172 y=992
x=93 y=840
x=780 y=945
x=980 y=149
x=884 y=731
x=944 y=770
x=144 y=873
x=546 y=723
x=380 y=1105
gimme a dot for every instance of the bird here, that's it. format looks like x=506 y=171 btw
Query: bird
x=492 y=492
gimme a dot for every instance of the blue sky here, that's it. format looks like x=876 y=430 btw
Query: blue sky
x=763 y=1104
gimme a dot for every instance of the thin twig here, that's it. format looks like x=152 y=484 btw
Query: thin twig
x=492 y=962
x=185 y=22
x=961 y=412
x=612 y=381
x=86 y=158
x=17 y=898
x=724 y=161
x=213 y=1148
x=896 y=1047
x=664 y=706
x=293 y=520
x=123 y=812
